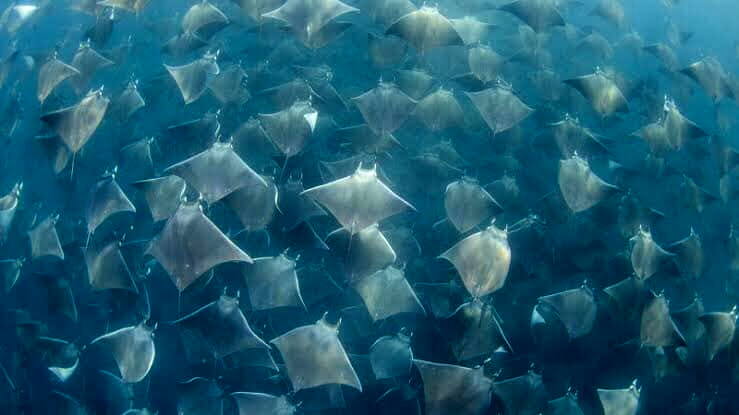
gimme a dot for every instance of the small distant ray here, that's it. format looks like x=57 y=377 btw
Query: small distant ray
x=689 y=255
x=362 y=139
x=425 y=28
x=601 y=91
x=45 y=240
x=308 y=18
x=440 y=111
x=51 y=74
x=468 y=204
x=106 y=199
x=385 y=108
x=129 y=101
x=572 y=137
x=391 y=356
x=630 y=296
x=272 y=282
x=204 y=20
x=255 y=205
x=472 y=331
x=619 y=401
x=229 y=86
x=611 y=11
x=254 y=403
x=295 y=206
x=500 y=107
x=59 y=296
x=107 y=269
x=657 y=328
x=359 y=200
x=136 y=161
x=646 y=255
x=482 y=260
x=454 y=389
x=671 y=131
x=198 y=396
x=76 y=124
x=387 y=12
x=132 y=6
x=163 y=195
x=538 y=14
x=223 y=327
x=720 y=331
x=133 y=350
x=255 y=9
x=711 y=76
x=314 y=357
x=190 y=245
x=575 y=308
x=216 y=172
x=386 y=293
x=368 y=251
x=87 y=61
x=415 y=82
x=291 y=128
x=580 y=187
x=192 y=78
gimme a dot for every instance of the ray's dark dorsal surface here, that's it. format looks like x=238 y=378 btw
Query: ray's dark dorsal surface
x=358 y=207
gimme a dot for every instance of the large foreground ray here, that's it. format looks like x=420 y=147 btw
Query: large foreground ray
x=107 y=269
x=450 y=389
x=75 y=125
x=192 y=78
x=307 y=17
x=314 y=356
x=45 y=240
x=254 y=403
x=580 y=187
x=500 y=107
x=223 y=327
x=482 y=260
x=107 y=199
x=602 y=92
x=538 y=14
x=273 y=282
x=384 y=108
x=426 y=28
x=291 y=128
x=163 y=195
x=619 y=401
x=359 y=200
x=50 y=75
x=468 y=204
x=575 y=308
x=216 y=172
x=190 y=244
x=133 y=350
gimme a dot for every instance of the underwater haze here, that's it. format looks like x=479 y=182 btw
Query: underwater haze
x=278 y=207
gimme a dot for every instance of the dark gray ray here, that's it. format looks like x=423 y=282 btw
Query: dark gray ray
x=538 y=14
x=473 y=331
x=711 y=76
x=307 y=18
x=319 y=78
x=163 y=195
x=16 y=16
x=65 y=404
x=468 y=204
x=689 y=254
x=251 y=143
x=291 y=128
x=107 y=269
x=136 y=160
x=204 y=20
x=254 y=205
x=272 y=282
x=523 y=395
x=720 y=330
x=295 y=206
x=59 y=296
x=596 y=46
x=223 y=327
x=450 y=389
x=133 y=6
x=386 y=51
x=183 y=44
x=76 y=124
x=190 y=245
x=657 y=327
x=471 y=30
x=59 y=356
x=87 y=61
x=387 y=12
x=688 y=321
x=106 y=199
x=580 y=187
x=566 y=405
x=99 y=32
x=216 y=172
x=630 y=296
x=500 y=107
x=646 y=255
x=633 y=213
x=362 y=139
x=359 y=200
x=133 y=350
x=253 y=403
x=601 y=91
x=664 y=54
x=45 y=240
x=575 y=308
x=440 y=110
x=199 y=396
x=425 y=28
x=619 y=401
x=386 y=293
x=384 y=108
x=288 y=93
x=314 y=356
x=391 y=356
x=571 y=137
x=193 y=136
x=482 y=260
x=8 y=206
x=129 y=101
x=368 y=251
x=50 y=75
x=10 y=272
x=192 y=78
x=229 y=86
